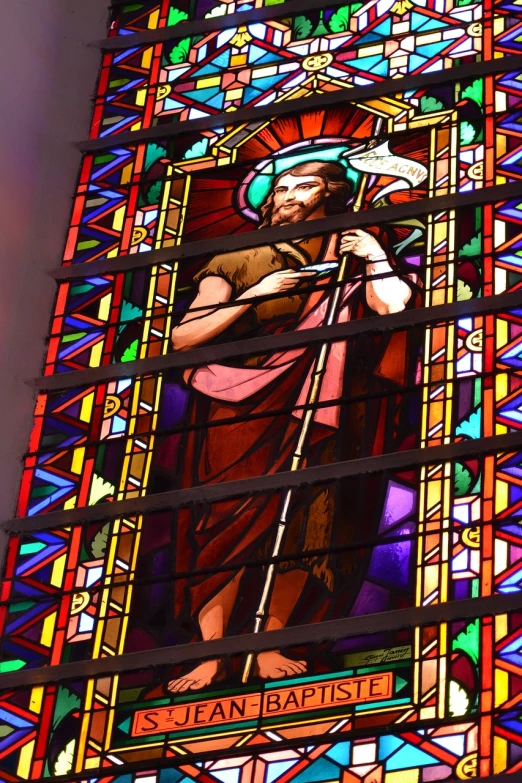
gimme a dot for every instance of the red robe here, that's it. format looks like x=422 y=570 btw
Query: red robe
x=261 y=433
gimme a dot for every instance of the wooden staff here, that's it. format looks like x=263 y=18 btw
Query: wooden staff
x=297 y=458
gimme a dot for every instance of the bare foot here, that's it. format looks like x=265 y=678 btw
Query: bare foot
x=272 y=665
x=198 y=678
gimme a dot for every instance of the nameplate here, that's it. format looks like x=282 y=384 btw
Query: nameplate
x=270 y=703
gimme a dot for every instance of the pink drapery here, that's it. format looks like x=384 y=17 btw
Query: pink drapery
x=235 y=384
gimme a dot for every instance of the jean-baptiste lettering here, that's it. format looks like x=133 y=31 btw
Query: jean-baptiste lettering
x=309 y=696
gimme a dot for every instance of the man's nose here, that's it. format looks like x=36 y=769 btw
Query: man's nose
x=290 y=195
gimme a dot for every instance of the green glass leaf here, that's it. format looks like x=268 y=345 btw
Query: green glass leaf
x=87 y=244
x=70 y=338
x=340 y=21
x=130 y=353
x=467 y=132
x=428 y=104
x=99 y=542
x=130 y=312
x=176 y=17
x=29 y=549
x=473 y=248
x=302 y=27
x=461 y=480
x=21 y=606
x=468 y=641
x=197 y=150
x=66 y=702
x=474 y=92
x=180 y=51
x=321 y=28
x=153 y=153
x=154 y=193
x=470 y=427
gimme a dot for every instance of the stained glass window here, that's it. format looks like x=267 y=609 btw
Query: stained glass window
x=268 y=528
x=133 y=17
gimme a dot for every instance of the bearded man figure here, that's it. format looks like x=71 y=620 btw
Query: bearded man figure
x=267 y=290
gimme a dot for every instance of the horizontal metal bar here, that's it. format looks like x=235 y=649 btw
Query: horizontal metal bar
x=327 y=100
x=202 y=26
x=210 y=493
x=271 y=234
x=374 y=543
x=276 y=342
x=313 y=633
x=344 y=400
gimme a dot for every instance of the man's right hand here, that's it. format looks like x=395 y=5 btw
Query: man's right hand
x=282 y=280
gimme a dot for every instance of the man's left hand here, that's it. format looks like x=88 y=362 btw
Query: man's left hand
x=361 y=244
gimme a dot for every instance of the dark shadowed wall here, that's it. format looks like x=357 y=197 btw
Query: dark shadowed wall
x=48 y=76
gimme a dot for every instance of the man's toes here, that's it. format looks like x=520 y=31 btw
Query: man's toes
x=173 y=685
x=186 y=684
x=293 y=667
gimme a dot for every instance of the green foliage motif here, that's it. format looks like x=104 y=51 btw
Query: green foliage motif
x=66 y=702
x=340 y=20
x=467 y=132
x=461 y=480
x=99 y=542
x=302 y=27
x=474 y=92
x=131 y=353
x=470 y=427
x=154 y=192
x=175 y=17
x=130 y=312
x=197 y=150
x=179 y=53
x=468 y=641
x=153 y=153
x=428 y=104
x=473 y=248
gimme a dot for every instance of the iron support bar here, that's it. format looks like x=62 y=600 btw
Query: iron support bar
x=210 y=493
x=271 y=234
x=406 y=319
x=326 y=100
x=291 y=636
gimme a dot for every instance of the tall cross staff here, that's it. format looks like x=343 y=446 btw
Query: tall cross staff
x=297 y=457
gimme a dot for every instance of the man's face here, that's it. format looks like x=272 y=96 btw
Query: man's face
x=298 y=198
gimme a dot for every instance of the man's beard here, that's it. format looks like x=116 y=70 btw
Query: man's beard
x=293 y=213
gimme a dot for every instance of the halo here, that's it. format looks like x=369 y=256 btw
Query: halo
x=255 y=187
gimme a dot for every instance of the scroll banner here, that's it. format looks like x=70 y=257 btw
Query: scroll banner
x=380 y=160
